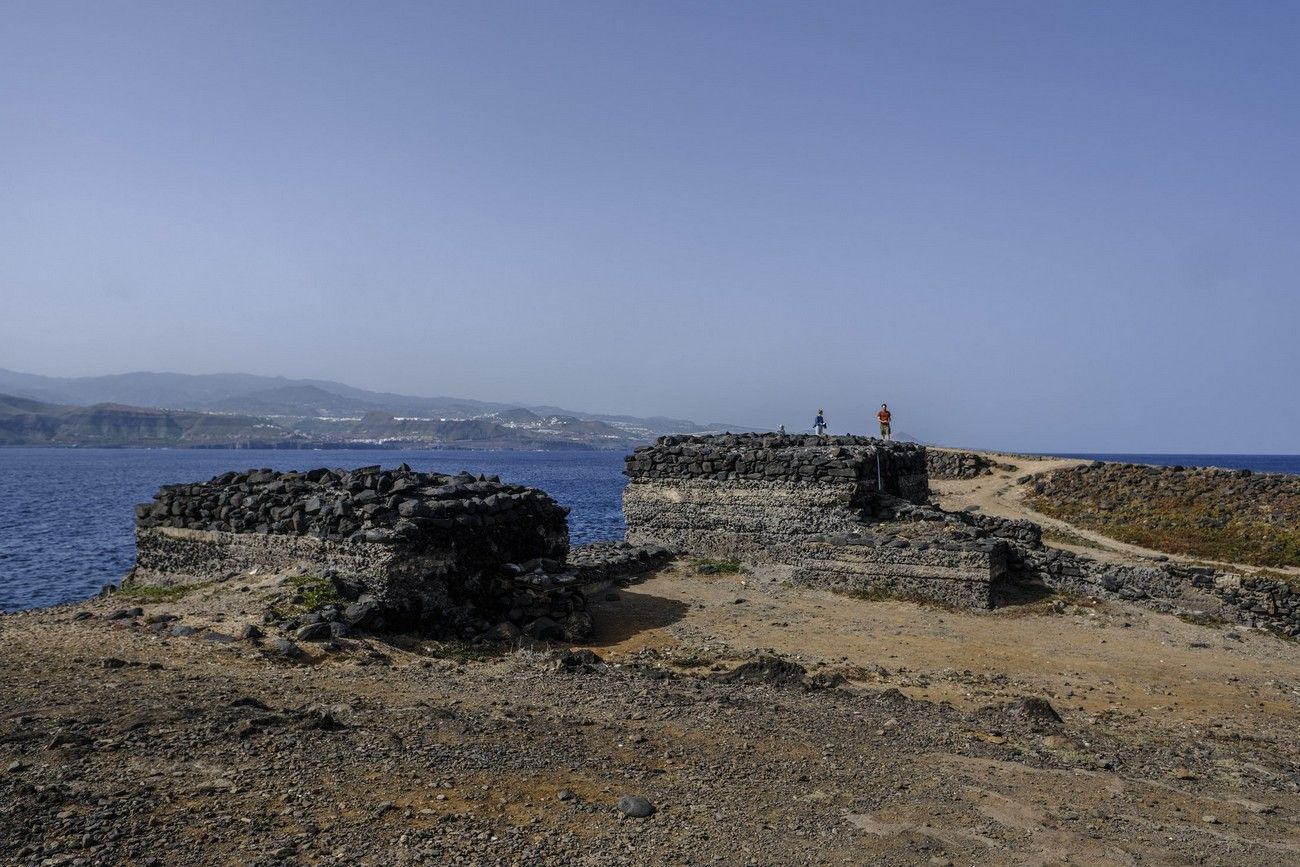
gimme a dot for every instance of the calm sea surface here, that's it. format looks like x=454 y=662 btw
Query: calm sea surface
x=66 y=515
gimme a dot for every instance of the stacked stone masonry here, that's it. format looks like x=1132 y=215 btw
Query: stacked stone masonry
x=819 y=504
x=899 y=468
x=949 y=464
x=442 y=555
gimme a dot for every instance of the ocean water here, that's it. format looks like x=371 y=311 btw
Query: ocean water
x=67 y=515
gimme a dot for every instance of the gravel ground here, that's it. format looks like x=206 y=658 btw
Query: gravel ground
x=122 y=743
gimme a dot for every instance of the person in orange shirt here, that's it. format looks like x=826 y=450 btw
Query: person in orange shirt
x=883 y=417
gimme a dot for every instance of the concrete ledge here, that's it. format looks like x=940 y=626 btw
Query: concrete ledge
x=969 y=578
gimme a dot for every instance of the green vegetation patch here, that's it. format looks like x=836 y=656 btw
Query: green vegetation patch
x=723 y=567
x=150 y=593
x=310 y=593
x=1212 y=514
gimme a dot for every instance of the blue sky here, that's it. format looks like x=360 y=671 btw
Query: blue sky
x=1050 y=226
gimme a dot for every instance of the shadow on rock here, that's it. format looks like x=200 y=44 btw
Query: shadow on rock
x=634 y=613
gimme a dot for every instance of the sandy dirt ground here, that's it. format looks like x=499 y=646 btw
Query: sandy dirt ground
x=123 y=742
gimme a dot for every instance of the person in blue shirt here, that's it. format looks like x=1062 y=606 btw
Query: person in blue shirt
x=819 y=423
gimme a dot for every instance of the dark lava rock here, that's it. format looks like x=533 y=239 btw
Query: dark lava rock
x=286 y=648
x=578 y=660
x=251 y=633
x=635 y=807
x=314 y=632
x=1031 y=710
x=769 y=669
x=545 y=629
x=360 y=613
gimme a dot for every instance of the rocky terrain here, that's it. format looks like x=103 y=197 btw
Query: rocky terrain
x=756 y=724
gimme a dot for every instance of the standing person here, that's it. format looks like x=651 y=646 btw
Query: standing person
x=883 y=417
x=819 y=423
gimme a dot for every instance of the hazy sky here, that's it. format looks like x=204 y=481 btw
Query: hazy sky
x=1040 y=225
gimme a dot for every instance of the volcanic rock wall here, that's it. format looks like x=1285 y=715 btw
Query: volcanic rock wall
x=422 y=548
x=949 y=464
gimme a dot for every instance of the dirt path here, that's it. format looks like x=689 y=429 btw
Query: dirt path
x=999 y=494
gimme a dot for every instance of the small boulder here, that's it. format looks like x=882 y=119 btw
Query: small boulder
x=635 y=807
x=544 y=629
x=286 y=648
x=313 y=632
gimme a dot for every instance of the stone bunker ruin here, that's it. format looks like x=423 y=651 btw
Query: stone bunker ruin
x=836 y=509
x=468 y=556
x=427 y=552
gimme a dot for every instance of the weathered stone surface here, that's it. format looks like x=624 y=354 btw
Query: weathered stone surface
x=451 y=556
x=421 y=550
x=635 y=807
x=965 y=575
x=846 y=512
x=893 y=468
x=755 y=521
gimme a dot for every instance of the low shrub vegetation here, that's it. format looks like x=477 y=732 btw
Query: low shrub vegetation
x=1211 y=514
x=723 y=567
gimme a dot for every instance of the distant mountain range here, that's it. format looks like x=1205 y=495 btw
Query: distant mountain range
x=245 y=410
